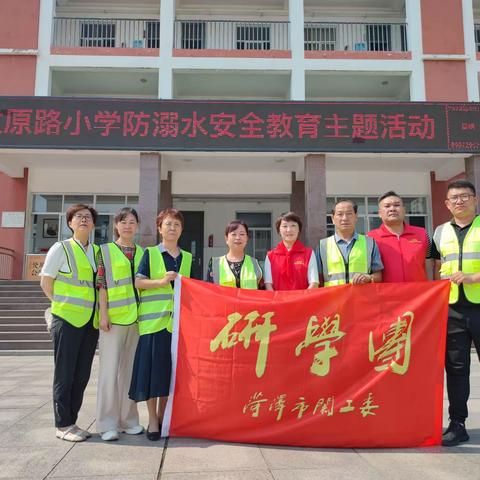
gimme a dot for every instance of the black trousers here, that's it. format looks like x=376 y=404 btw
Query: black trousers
x=74 y=349
x=463 y=328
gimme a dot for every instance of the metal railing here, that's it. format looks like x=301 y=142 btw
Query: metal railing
x=477 y=36
x=230 y=35
x=369 y=37
x=106 y=32
x=6 y=263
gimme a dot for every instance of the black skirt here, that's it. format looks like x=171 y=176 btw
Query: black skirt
x=152 y=367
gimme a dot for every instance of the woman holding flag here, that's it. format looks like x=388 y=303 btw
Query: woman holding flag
x=235 y=269
x=290 y=265
x=155 y=276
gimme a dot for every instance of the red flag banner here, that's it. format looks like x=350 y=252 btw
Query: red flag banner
x=348 y=366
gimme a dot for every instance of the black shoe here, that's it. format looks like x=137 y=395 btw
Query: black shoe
x=455 y=434
x=153 y=436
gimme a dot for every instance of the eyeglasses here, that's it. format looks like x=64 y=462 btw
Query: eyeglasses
x=81 y=217
x=464 y=197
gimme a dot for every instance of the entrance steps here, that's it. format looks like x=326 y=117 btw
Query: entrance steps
x=22 y=325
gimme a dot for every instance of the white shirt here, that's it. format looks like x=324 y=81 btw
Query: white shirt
x=56 y=260
x=312 y=272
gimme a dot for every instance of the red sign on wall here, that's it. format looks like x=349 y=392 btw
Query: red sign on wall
x=119 y=124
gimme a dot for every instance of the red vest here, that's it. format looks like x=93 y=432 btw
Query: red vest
x=290 y=267
x=403 y=257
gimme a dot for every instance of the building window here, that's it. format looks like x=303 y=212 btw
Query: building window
x=260 y=229
x=368 y=219
x=379 y=37
x=193 y=35
x=477 y=37
x=152 y=34
x=49 y=223
x=403 y=38
x=320 y=38
x=97 y=33
x=255 y=37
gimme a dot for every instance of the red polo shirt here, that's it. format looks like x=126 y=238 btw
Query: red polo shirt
x=403 y=256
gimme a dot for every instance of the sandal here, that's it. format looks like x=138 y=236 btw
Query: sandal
x=70 y=434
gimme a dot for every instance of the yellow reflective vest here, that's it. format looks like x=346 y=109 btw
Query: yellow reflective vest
x=336 y=271
x=122 y=302
x=74 y=293
x=454 y=258
x=250 y=273
x=156 y=305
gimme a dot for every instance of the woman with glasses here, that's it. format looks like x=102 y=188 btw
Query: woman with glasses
x=290 y=265
x=155 y=276
x=235 y=269
x=67 y=279
x=118 y=299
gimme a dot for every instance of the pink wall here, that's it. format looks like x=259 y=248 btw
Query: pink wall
x=442 y=26
x=445 y=81
x=18 y=29
x=19 y=23
x=13 y=198
x=17 y=75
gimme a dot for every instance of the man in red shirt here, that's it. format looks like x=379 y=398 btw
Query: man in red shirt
x=403 y=248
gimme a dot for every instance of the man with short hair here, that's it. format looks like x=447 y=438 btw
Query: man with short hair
x=347 y=256
x=403 y=247
x=456 y=250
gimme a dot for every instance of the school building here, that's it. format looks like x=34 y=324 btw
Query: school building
x=226 y=109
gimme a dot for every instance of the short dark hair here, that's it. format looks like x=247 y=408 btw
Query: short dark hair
x=233 y=226
x=289 y=217
x=122 y=215
x=461 y=184
x=390 y=193
x=76 y=208
x=347 y=200
x=170 y=212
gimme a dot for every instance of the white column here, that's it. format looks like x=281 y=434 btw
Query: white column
x=470 y=51
x=167 y=21
x=415 y=45
x=297 y=80
x=45 y=32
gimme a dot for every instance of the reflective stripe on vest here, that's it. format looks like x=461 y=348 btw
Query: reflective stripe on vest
x=250 y=273
x=74 y=292
x=334 y=265
x=122 y=303
x=453 y=259
x=156 y=305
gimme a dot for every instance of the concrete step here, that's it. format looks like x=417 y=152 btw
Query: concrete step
x=20 y=288
x=18 y=304
x=24 y=335
x=19 y=282
x=37 y=353
x=21 y=293
x=22 y=313
x=23 y=327
x=28 y=320
x=26 y=345
x=23 y=300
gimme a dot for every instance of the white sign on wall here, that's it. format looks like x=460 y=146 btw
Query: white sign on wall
x=13 y=219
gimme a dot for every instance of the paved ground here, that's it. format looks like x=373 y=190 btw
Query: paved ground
x=29 y=449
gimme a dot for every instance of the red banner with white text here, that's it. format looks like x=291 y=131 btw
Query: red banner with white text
x=349 y=366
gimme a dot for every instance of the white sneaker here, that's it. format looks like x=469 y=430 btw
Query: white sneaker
x=110 y=436
x=69 y=434
x=134 y=430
